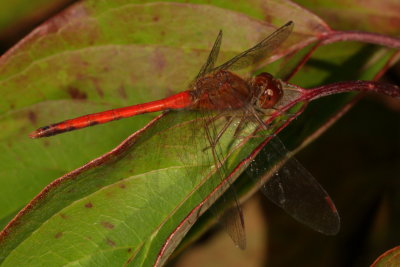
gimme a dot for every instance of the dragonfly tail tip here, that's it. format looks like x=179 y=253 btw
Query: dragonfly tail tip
x=34 y=135
x=41 y=132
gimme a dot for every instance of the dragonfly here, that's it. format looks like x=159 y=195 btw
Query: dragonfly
x=219 y=89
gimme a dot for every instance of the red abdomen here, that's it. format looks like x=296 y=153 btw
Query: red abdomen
x=181 y=100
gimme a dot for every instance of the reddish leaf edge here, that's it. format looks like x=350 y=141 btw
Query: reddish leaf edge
x=376 y=262
x=107 y=157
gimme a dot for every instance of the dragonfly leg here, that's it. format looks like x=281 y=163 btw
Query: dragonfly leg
x=239 y=128
x=246 y=117
x=214 y=141
x=255 y=118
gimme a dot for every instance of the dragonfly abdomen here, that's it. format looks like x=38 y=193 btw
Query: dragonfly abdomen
x=178 y=101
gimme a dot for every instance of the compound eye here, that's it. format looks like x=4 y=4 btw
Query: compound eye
x=271 y=90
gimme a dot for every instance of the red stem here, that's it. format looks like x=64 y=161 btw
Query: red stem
x=366 y=37
x=342 y=87
x=308 y=95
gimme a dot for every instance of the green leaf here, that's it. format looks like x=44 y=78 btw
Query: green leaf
x=94 y=57
x=96 y=61
x=388 y=259
x=101 y=55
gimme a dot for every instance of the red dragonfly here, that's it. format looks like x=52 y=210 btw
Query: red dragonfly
x=219 y=90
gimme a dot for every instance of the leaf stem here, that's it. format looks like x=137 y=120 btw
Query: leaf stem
x=342 y=87
x=366 y=37
x=307 y=95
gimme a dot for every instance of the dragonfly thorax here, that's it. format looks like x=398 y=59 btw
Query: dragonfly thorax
x=267 y=90
x=222 y=90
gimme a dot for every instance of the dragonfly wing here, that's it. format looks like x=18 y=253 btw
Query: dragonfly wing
x=259 y=51
x=231 y=218
x=296 y=191
x=212 y=57
x=233 y=222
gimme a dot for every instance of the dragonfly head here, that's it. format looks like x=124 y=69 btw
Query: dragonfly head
x=268 y=90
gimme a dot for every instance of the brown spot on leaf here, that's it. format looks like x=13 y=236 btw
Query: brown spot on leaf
x=110 y=242
x=268 y=17
x=32 y=117
x=62 y=215
x=123 y=186
x=89 y=205
x=58 y=235
x=76 y=94
x=156 y=18
x=129 y=250
x=107 y=225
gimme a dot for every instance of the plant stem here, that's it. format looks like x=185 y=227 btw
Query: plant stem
x=342 y=87
x=366 y=37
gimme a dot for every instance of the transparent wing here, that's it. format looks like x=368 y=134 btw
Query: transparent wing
x=231 y=218
x=259 y=51
x=212 y=57
x=233 y=222
x=296 y=191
